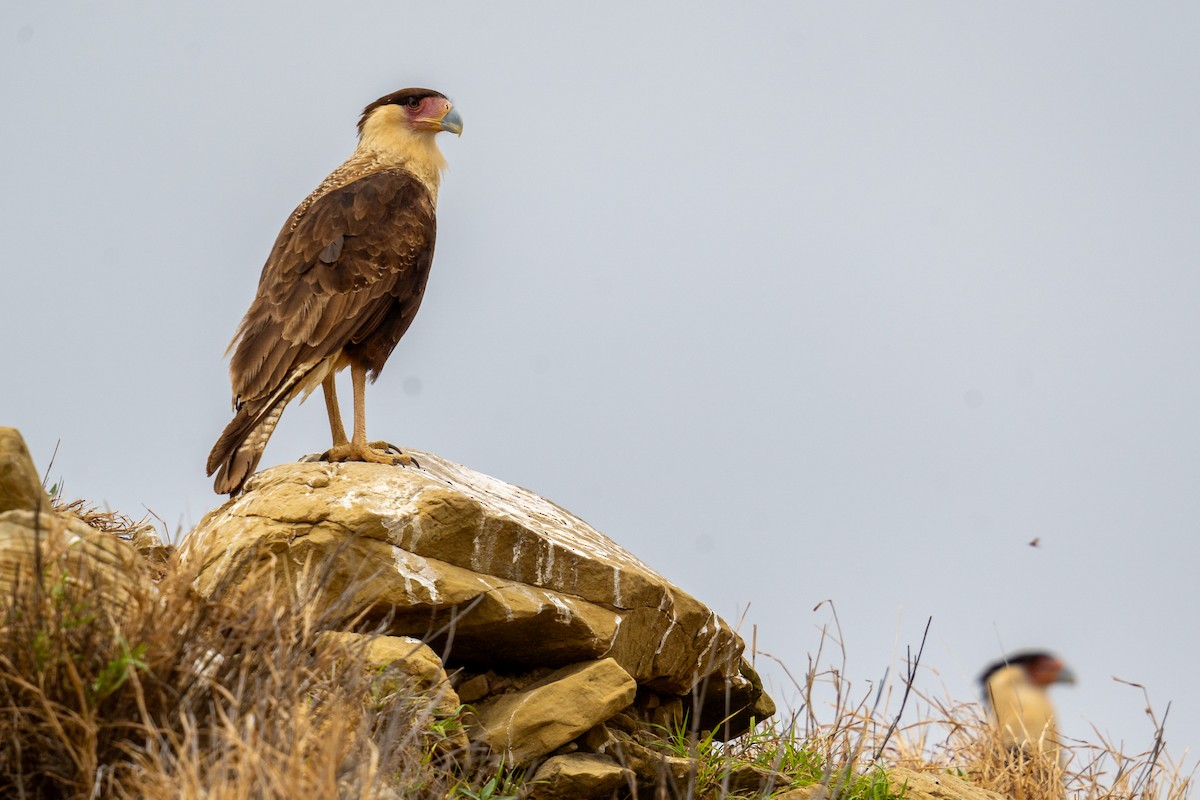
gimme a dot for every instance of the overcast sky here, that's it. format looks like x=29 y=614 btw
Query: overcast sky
x=845 y=301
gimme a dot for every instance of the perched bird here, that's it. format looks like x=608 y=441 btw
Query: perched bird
x=1015 y=691
x=341 y=285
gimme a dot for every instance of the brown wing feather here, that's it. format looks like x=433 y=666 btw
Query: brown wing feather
x=344 y=278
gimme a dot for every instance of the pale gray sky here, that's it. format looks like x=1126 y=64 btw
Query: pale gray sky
x=794 y=301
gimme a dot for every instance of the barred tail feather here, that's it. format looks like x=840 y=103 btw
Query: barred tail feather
x=236 y=454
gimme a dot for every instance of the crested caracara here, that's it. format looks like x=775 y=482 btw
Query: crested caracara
x=1019 y=705
x=341 y=285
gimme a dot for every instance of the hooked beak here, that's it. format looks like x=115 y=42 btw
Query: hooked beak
x=445 y=118
x=452 y=122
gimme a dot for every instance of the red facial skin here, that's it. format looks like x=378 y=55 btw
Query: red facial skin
x=427 y=114
x=1045 y=671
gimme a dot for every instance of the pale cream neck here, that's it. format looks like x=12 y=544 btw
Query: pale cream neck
x=388 y=141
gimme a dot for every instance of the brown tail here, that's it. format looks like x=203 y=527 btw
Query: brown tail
x=236 y=454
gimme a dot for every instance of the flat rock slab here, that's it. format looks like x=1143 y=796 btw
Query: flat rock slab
x=930 y=786
x=578 y=776
x=565 y=704
x=652 y=768
x=816 y=791
x=521 y=581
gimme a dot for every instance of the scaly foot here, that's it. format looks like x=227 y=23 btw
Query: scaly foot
x=373 y=453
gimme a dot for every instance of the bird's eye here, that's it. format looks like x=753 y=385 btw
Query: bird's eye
x=413 y=102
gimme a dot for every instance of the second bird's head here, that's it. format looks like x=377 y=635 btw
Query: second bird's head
x=1040 y=668
x=420 y=111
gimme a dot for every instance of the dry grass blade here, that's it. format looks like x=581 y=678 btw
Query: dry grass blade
x=176 y=695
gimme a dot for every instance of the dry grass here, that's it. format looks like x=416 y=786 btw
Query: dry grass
x=955 y=739
x=178 y=696
x=174 y=695
x=141 y=533
x=104 y=520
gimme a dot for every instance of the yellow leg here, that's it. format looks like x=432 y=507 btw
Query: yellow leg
x=358 y=448
x=358 y=379
x=335 y=414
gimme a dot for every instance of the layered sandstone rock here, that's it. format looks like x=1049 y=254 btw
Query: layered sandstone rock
x=38 y=544
x=942 y=786
x=523 y=598
x=20 y=487
x=529 y=723
x=439 y=543
x=578 y=776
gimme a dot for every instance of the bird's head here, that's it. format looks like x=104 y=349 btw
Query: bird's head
x=1041 y=668
x=399 y=128
x=1045 y=669
x=417 y=111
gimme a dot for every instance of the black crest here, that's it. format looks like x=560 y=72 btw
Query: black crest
x=1021 y=658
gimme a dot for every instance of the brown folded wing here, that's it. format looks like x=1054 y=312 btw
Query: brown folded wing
x=343 y=281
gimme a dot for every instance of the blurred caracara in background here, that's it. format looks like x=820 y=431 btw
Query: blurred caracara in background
x=1015 y=692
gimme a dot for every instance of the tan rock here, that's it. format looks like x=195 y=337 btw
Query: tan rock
x=598 y=739
x=934 y=786
x=816 y=791
x=67 y=551
x=412 y=655
x=732 y=702
x=474 y=688
x=535 y=721
x=579 y=776
x=624 y=722
x=37 y=543
x=752 y=779
x=569 y=747
x=661 y=711
x=522 y=582
x=414 y=659
x=150 y=546
x=20 y=486
x=651 y=767
x=503 y=683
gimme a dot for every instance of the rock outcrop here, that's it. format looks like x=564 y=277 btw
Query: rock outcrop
x=547 y=627
x=544 y=716
x=577 y=776
x=37 y=543
x=915 y=785
x=20 y=488
x=412 y=658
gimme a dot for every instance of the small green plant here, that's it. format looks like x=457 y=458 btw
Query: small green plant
x=682 y=742
x=777 y=753
x=874 y=785
x=494 y=788
x=114 y=673
x=449 y=726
